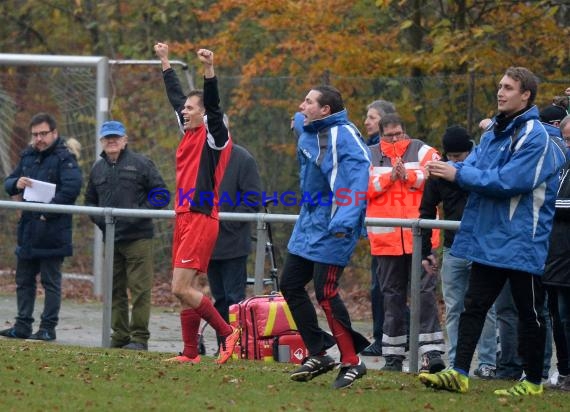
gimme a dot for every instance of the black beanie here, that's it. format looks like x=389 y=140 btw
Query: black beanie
x=552 y=114
x=456 y=139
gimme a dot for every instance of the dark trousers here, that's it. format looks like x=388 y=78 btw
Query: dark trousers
x=377 y=303
x=485 y=284
x=50 y=277
x=509 y=363
x=297 y=273
x=558 y=304
x=228 y=280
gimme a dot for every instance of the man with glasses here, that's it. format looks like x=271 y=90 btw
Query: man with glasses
x=395 y=188
x=44 y=239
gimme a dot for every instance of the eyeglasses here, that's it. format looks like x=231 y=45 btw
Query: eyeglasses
x=393 y=135
x=41 y=134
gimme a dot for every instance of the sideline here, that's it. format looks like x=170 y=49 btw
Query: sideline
x=80 y=325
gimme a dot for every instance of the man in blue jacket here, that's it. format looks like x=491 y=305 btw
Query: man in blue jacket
x=512 y=177
x=334 y=163
x=44 y=239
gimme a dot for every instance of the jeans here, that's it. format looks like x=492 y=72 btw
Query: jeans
x=228 y=280
x=50 y=276
x=133 y=270
x=377 y=301
x=455 y=274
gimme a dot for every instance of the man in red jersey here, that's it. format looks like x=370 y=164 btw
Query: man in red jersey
x=201 y=159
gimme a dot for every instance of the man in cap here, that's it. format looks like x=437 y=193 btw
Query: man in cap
x=122 y=178
x=455 y=272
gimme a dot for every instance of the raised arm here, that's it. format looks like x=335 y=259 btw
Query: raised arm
x=174 y=91
x=218 y=135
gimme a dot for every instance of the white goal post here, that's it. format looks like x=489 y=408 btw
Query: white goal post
x=102 y=106
x=101 y=64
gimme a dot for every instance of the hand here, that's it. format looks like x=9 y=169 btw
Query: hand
x=23 y=182
x=206 y=56
x=441 y=169
x=399 y=171
x=484 y=123
x=161 y=50
x=430 y=265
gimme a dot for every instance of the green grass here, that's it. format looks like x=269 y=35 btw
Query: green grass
x=37 y=376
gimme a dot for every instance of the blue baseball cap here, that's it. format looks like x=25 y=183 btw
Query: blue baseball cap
x=112 y=128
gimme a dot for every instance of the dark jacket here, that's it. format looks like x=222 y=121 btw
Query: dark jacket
x=557 y=271
x=240 y=192
x=46 y=235
x=453 y=198
x=126 y=184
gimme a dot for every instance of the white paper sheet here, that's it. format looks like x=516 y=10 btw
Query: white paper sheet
x=40 y=191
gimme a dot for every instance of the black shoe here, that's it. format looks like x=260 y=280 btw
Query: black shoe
x=13 y=333
x=432 y=362
x=136 y=346
x=374 y=349
x=312 y=367
x=348 y=374
x=393 y=364
x=43 y=334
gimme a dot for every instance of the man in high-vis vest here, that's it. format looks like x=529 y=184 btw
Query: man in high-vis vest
x=395 y=189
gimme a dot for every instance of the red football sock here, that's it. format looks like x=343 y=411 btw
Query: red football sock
x=190 y=323
x=209 y=313
x=343 y=337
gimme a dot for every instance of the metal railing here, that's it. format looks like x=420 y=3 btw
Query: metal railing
x=261 y=220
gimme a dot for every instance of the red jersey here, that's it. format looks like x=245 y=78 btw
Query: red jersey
x=203 y=153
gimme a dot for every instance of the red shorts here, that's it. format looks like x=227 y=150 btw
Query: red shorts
x=194 y=239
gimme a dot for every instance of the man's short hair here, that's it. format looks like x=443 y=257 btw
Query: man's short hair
x=383 y=107
x=198 y=93
x=40 y=118
x=391 y=119
x=330 y=96
x=527 y=80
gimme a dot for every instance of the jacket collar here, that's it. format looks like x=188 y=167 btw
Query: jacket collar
x=327 y=122
x=393 y=150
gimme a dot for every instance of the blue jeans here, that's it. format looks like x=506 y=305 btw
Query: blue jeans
x=455 y=274
x=50 y=276
x=228 y=280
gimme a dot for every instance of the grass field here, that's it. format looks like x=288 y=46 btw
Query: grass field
x=38 y=376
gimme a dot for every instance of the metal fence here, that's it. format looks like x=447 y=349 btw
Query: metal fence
x=261 y=219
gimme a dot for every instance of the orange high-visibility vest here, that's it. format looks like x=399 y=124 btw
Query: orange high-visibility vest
x=397 y=199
